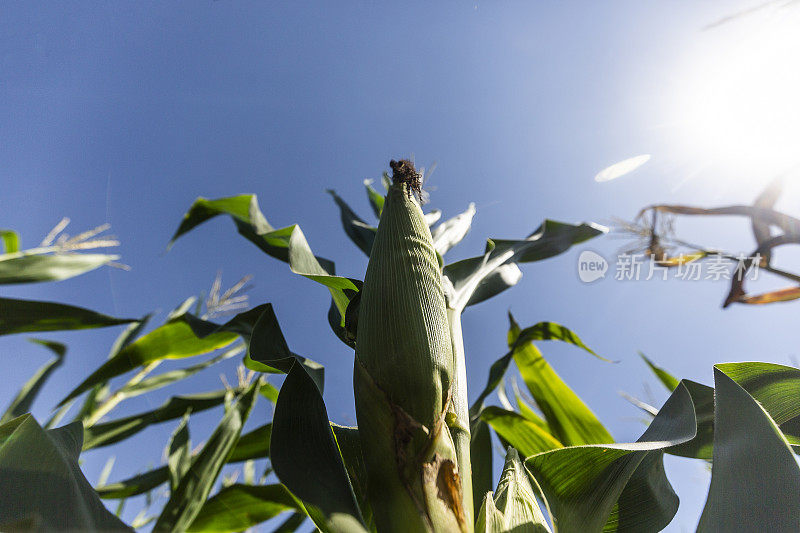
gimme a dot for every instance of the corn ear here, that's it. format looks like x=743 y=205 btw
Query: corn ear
x=403 y=377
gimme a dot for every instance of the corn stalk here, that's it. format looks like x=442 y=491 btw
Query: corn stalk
x=404 y=376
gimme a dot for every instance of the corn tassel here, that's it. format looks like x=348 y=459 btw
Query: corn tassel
x=403 y=376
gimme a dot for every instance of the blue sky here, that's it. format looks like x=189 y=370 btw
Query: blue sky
x=126 y=112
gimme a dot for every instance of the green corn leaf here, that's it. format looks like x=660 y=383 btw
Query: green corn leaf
x=306 y=457
x=142 y=519
x=452 y=231
x=243 y=209
x=129 y=334
x=775 y=387
x=106 y=472
x=526 y=436
x=502 y=396
x=20 y=267
x=432 y=217
x=291 y=524
x=481 y=459
x=513 y=506
x=168 y=378
x=189 y=305
x=41 y=482
x=755 y=479
x=10 y=240
x=530 y=415
x=361 y=233
x=376 y=199
x=252 y=445
x=702 y=446
x=349 y=442
x=240 y=507
x=25 y=316
x=242 y=324
x=501 y=278
x=100 y=392
x=346 y=332
x=791 y=430
x=496 y=373
x=386 y=180
x=191 y=493
x=303 y=262
x=116 y=430
x=583 y=485
x=249 y=472
x=569 y=419
x=481 y=456
x=519 y=341
x=181 y=337
x=22 y=402
x=546 y=331
x=57 y=416
x=526 y=411
x=666 y=379
x=251 y=224
x=269 y=352
x=179 y=452
x=135 y=485
x=285 y=244
x=269 y=392
x=550 y=239
x=648 y=502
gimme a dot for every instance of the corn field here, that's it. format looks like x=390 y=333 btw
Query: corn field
x=421 y=456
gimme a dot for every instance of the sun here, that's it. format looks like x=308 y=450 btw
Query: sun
x=735 y=105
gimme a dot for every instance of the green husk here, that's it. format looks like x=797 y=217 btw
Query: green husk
x=403 y=377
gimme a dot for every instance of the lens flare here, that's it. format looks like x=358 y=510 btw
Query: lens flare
x=736 y=106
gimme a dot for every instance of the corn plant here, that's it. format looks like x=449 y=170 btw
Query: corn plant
x=404 y=375
x=581 y=478
x=421 y=456
x=42 y=484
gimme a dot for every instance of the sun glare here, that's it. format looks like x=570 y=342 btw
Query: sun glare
x=736 y=105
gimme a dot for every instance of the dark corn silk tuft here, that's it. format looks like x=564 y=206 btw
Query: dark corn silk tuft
x=403 y=172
